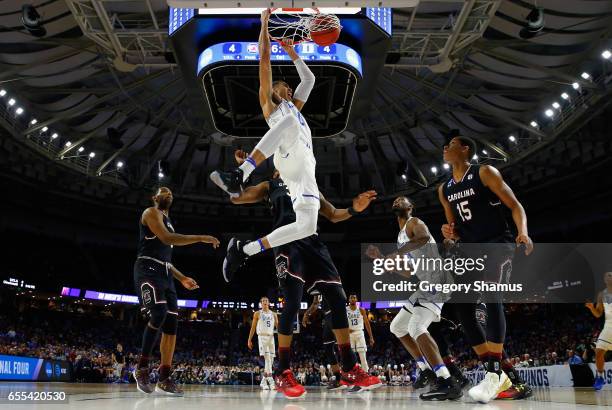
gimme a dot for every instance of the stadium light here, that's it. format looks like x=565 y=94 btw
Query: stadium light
x=475 y=157
x=575 y=85
x=556 y=105
x=92 y=154
x=549 y=113
x=160 y=175
x=404 y=177
x=119 y=164
x=512 y=138
x=34 y=121
x=484 y=151
x=533 y=124
x=81 y=149
x=11 y=102
x=2 y=92
x=68 y=143
x=45 y=129
x=54 y=136
x=565 y=96
x=19 y=111
x=606 y=54
x=585 y=75
x=445 y=166
x=434 y=170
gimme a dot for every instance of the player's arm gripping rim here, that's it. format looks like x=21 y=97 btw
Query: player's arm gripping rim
x=187 y=282
x=252 y=331
x=598 y=309
x=366 y=323
x=316 y=301
x=265 y=67
x=360 y=204
x=153 y=218
x=307 y=78
x=492 y=179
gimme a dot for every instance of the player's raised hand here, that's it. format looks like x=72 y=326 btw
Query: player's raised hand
x=363 y=200
x=240 y=156
x=525 y=240
x=211 y=240
x=590 y=306
x=189 y=283
x=265 y=15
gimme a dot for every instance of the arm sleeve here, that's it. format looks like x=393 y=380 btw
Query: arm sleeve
x=307 y=80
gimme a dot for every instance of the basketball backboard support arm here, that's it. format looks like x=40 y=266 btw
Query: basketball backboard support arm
x=197 y=4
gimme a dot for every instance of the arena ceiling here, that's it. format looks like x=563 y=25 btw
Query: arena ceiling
x=77 y=86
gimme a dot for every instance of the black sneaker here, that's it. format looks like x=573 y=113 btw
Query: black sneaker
x=456 y=372
x=335 y=384
x=445 y=389
x=143 y=383
x=425 y=377
x=168 y=387
x=230 y=182
x=234 y=258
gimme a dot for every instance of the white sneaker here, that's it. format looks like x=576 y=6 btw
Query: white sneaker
x=490 y=387
x=270 y=381
x=264 y=384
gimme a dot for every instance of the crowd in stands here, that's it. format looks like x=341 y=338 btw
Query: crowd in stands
x=212 y=349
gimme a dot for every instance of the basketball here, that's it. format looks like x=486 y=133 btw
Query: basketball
x=325 y=30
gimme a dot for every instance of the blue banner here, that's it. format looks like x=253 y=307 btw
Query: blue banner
x=31 y=368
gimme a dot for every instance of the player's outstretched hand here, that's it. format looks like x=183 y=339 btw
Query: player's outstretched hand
x=250 y=344
x=189 y=283
x=590 y=305
x=363 y=200
x=240 y=156
x=265 y=15
x=211 y=240
x=373 y=252
x=525 y=240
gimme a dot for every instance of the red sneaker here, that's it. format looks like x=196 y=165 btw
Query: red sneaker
x=286 y=384
x=357 y=377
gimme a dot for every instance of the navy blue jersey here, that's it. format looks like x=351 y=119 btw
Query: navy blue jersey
x=280 y=203
x=150 y=245
x=477 y=210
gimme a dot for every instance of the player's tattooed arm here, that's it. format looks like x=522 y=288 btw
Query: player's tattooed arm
x=252 y=331
x=492 y=179
x=368 y=326
x=360 y=204
x=448 y=229
x=265 y=67
x=187 y=282
x=153 y=218
x=596 y=309
x=253 y=194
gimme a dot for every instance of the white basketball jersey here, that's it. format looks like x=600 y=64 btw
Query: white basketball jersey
x=265 y=325
x=606 y=298
x=288 y=108
x=427 y=251
x=354 y=318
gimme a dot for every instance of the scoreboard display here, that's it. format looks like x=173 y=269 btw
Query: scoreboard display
x=249 y=51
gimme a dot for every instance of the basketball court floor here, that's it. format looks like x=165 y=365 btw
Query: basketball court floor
x=116 y=397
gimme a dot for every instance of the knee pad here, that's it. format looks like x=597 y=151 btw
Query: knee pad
x=158 y=315
x=336 y=300
x=399 y=324
x=170 y=324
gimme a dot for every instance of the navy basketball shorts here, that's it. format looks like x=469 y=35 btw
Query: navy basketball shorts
x=154 y=284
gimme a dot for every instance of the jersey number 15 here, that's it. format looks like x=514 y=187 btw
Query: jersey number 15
x=464 y=211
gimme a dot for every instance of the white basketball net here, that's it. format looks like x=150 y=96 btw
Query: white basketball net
x=297 y=27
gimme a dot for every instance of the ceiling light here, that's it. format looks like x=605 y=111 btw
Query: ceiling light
x=533 y=124
x=2 y=92
x=565 y=96
x=160 y=175
x=404 y=177
x=92 y=154
x=585 y=75
x=475 y=157
x=119 y=164
x=512 y=138
x=45 y=129
x=54 y=136
x=484 y=151
x=68 y=143
x=434 y=169
x=11 y=102
x=34 y=121
x=19 y=111
x=81 y=149
x=556 y=105
x=575 y=86
x=549 y=112
x=445 y=166
x=606 y=54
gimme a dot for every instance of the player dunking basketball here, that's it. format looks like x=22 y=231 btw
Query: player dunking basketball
x=290 y=141
x=604 y=340
x=264 y=323
x=154 y=277
x=307 y=265
x=472 y=200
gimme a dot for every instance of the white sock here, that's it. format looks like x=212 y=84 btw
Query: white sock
x=423 y=365
x=364 y=362
x=268 y=363
x=441 y=371
x=252 y=248
x=247 y=168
